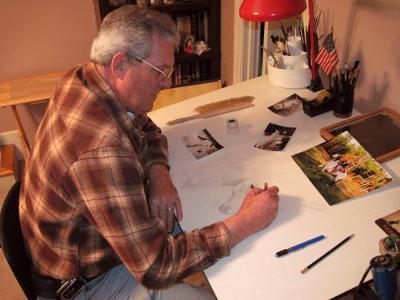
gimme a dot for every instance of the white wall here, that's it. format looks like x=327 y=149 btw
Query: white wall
x=368 y=30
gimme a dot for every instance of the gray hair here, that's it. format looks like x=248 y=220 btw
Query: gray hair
x=129 y=29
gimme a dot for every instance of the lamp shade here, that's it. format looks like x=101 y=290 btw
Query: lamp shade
x=270 y=10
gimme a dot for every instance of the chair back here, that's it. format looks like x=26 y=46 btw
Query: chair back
x=8 y=161
x=12 y=242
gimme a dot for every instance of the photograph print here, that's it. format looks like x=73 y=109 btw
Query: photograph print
x=341 y=169
x=201 y=143
x=287 y=106
x=275 y=137
x=390 y=223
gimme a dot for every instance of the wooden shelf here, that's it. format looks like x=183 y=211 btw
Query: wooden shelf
x=185 y=57
x=184 y=7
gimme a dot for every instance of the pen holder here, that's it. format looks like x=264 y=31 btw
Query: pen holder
x=343 y=105
x=294 y=75
x=294 y=45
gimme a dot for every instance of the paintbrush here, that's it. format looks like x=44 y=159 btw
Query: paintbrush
x=217 y=108
x=283 y=31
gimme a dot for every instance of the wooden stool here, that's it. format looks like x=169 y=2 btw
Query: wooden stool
x=8 y=161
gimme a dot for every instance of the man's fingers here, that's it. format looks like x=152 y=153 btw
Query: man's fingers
x=166 y=214
x=273 y=189
x=170 y=219
x=179 y=210
x=265 y=186
x=162 y=214
x=154 y=209
x=255 y=190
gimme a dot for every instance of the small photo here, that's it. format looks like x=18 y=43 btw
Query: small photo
x=201 y=143
x=275 y=137
x=287 y=106
x=188 y=43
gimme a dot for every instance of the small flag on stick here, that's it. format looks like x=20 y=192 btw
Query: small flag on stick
x=327 y=57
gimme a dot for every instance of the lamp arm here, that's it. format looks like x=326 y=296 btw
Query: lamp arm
x=312 y=40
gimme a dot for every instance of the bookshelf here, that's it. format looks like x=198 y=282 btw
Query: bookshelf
x=197 y=20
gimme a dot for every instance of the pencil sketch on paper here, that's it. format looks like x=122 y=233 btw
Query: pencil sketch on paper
x=238 y=192
x=228 y=187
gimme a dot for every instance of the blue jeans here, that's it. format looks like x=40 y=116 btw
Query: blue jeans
x=118 y=283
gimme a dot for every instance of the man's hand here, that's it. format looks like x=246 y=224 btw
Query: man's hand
x=163 y=197
x=258 y=210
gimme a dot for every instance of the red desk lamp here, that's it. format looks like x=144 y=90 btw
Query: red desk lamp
x=270 y=10
x=273 y=10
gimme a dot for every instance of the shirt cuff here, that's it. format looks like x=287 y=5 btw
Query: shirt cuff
x=218 y=240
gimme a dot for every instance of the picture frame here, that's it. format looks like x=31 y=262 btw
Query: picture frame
x=377 y=131
x=390 y=223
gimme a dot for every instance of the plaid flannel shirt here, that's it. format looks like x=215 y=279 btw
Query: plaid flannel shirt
x=83 y=208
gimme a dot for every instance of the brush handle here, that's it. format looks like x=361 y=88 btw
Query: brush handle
x=223 y=110
x=184 y=119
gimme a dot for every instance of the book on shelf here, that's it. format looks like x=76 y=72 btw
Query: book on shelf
x=201 y=29
x=177 y=75
x=190 y=72
x=185 y=73
x=184 y=23
x=149 y=3
x=205 y=20
x=204 y=70
x=194 y=29
x=197 y=70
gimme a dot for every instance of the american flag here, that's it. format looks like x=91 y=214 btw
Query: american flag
x=327 y=57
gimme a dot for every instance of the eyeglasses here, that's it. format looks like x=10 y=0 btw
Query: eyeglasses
x=164 y=75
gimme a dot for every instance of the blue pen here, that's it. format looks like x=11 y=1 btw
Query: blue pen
x=299 y=246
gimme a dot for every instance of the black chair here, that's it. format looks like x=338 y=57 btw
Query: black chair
x=12 y=242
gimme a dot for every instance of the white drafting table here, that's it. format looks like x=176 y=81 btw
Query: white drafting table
x=252 y=271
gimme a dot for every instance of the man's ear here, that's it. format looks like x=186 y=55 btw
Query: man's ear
x=119 y=65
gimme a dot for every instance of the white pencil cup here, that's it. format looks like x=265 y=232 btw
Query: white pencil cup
x=294 y=45
x=295 y=73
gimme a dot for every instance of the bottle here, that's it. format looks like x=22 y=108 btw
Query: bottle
x=384 y=275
